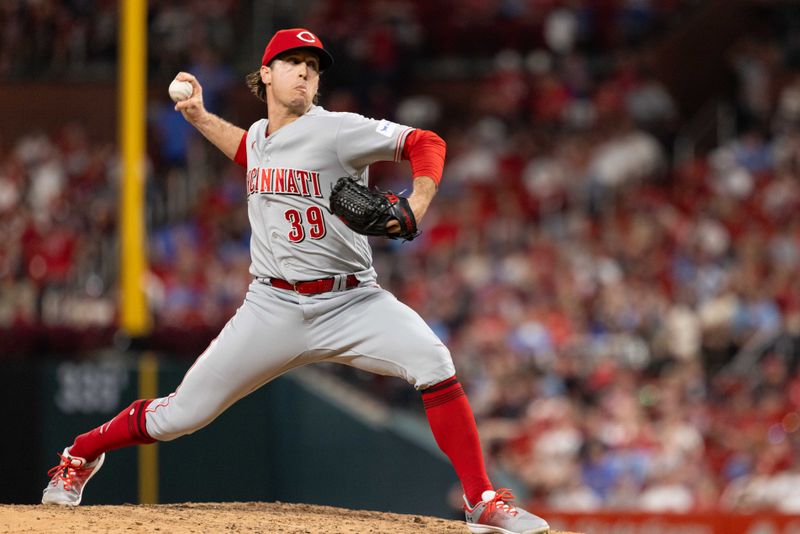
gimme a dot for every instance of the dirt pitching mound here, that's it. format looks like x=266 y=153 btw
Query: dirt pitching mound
x=251 y=517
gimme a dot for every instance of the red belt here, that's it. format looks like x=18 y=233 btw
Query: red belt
x=312 y=287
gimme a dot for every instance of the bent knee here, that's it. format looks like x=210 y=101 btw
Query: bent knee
x=435 y=368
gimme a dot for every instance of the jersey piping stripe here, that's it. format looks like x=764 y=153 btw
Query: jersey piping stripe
x=162 y=405
x=398 y=149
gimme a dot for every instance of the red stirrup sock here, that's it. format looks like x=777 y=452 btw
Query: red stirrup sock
x=125 y=429
x=453 y=427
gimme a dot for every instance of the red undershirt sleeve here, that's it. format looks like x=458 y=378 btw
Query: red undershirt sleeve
x=425 y=150
x=241 y=152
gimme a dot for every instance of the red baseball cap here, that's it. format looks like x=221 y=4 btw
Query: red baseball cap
x=285 y=40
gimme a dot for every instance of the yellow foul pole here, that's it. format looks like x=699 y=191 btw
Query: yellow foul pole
x=134 y=316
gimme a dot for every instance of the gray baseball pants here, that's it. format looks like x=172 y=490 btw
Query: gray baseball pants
x=276 y=330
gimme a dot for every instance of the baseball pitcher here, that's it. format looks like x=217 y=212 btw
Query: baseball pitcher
x=314 y=295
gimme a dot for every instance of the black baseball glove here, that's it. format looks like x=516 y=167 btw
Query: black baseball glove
x=368 y=211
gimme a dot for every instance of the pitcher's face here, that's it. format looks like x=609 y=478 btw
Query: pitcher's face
x=293 y=80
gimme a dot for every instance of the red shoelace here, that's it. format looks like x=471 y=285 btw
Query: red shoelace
x=501 y=500
x=64 y=470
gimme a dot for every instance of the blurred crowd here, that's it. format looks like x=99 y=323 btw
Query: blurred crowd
x=77 y=39
x=626 y=322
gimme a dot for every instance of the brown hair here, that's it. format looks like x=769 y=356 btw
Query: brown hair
x=258 y=88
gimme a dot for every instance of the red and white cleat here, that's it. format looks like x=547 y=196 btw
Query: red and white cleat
x=68 y=479
x=495 y=514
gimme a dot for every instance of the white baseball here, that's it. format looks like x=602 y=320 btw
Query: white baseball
x=180 y=90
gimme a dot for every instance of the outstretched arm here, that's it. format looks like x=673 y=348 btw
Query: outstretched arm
x=222 y=134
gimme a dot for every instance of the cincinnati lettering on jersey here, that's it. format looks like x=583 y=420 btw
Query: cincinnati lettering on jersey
x=280 y=181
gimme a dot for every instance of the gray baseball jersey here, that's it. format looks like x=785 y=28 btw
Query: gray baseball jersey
x=289 y=179
x=295 y=238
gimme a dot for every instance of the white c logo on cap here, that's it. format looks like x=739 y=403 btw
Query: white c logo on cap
x=306 y=36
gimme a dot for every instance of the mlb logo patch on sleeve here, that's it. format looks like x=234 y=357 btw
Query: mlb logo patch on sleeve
x=385 y=128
